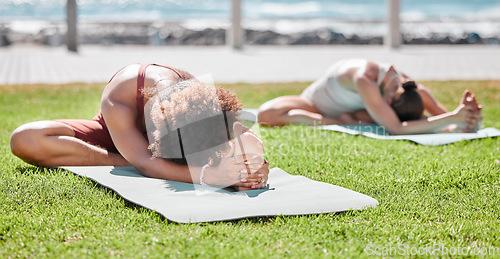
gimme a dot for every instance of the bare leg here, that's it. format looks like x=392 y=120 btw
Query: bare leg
x=348 y=119
x=50 y=143
x=292 y=110
x=358 y=117
x=362 y=116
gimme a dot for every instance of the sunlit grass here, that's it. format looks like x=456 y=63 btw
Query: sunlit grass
x=445 y=195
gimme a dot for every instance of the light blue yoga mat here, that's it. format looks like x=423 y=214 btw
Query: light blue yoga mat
x=379 y=132
x=436 y=139
x=184 y=203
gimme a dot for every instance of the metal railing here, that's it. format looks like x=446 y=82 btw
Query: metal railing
x=235 y=34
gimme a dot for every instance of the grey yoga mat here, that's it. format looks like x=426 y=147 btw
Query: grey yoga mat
x=436 y=139
x=183 y=203
x=379 y=132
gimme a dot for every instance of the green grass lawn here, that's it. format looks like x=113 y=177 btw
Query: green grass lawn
x=445 y=196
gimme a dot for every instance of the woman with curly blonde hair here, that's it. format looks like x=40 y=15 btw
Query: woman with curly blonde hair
x=161 y=120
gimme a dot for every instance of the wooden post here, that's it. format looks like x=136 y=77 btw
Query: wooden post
x=71 y=21
x=393 y=36
x=235 y=36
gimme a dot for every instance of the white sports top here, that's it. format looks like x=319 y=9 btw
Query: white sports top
x=332 y=98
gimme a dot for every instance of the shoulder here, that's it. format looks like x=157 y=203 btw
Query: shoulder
x=123 y=83
x=371 y=70
x=126 y=73
x=366 y=70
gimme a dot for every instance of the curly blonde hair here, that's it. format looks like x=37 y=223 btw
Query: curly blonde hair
x=198 y=118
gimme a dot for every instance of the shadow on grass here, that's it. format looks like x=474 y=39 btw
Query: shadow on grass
x=32 y=169
x=269 y=219
x=37 y=170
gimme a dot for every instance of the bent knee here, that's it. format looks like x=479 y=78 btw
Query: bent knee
x=273 y=118
x=275 y=112
x=26 y=140
x=23 y=143
x=268 y=117
x=268 y=113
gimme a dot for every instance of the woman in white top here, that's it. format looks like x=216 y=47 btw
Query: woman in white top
x=360 y=91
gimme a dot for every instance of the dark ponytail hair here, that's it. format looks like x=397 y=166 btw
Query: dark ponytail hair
x=409 y=106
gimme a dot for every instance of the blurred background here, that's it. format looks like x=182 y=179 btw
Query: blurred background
x=272 y=22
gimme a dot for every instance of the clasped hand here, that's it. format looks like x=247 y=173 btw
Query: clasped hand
x=247 y=171
x=244 y=165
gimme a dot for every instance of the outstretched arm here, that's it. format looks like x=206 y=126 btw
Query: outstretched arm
x=431 y=105
x=384 y=115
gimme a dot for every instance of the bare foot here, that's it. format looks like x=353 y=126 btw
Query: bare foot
x=468 y=98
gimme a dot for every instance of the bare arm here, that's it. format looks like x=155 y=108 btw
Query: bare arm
x=134 y=148
x=120 y=119
x=118 y=107
x=431 y=105
x=384 y=115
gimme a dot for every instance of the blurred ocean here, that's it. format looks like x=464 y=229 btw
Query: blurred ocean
x=259 y=9
x=359 y=17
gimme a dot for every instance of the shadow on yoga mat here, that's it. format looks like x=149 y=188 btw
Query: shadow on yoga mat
x=180 y=202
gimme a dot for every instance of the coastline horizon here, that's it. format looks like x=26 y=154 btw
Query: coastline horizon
x=317 y=31
x=267 y=22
